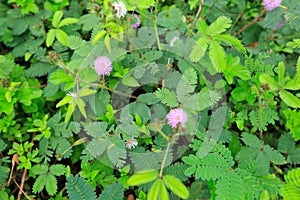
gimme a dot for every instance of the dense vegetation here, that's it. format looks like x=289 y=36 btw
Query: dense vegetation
x=149 y=99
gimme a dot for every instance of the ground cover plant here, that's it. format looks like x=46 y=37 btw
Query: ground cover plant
x=149 y=99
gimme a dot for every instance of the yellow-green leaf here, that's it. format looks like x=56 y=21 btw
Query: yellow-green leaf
x=98 y=36
x=264 y=195
x=107 y=43
x=267 y=79
x=163 y=192
x=289 y=99
x=217 y=56
x=70 y=111
x=8 y=96
x=61 y=37
x=199 y=49
x=50 y=37
x=154 y=190
x=56 y=18
x=81 y=105
x=86 y=92
x=142 y=177
x=175 y=185
x=64 y=101
x=67 y=21
x=281 y=70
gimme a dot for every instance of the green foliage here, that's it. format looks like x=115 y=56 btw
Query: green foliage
x=112 y=192
x=77 y=188
x=46 y=178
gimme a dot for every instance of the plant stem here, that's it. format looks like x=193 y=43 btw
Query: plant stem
x=260 y=118
x=199 y=11
x=164 y=160
x=251 y=23
x=156 y=34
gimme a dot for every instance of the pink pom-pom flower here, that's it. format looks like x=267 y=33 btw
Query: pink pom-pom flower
x=271 y=4
x=102 y=65
x=176 y=116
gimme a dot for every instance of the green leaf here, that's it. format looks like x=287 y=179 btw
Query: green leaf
x=78 y=189
x=163 y=193
x=217 y=56
x=167 y=97
x=289 y=99
x=57 y=169
x=39 y=183
x=70 y=111
x=98 y=36
x=107 y=43
x=50 y=37
x=64 y=101
x=274 y=156
x=228 y=39
x=264 y=195
x=61 y=37
x=56 y=18
x=51 y=184
x=154 y=190
x=199 y=49
x=114 y=191
x=175 y=185
x=267 y=79
x=86 y=92
x=67 y=21
x=281 y=70
x=130 y=81
x=142 y=177
x=59 y=76
x=219 y=26
x=286 y=143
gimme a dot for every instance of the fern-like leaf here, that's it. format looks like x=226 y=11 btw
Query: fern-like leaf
x=290 y=192
x=217 y=56
x=74 y=42
x=51 y=184
x=39 y=69
x=78 y=189
x=167 y=97
x=202 y=100
x=228 y=39
x=114 y=191
x=274 y=156
x=230 y=186
x=212 y=166
x=219 y=26
x=187 y=84
x=293 y=177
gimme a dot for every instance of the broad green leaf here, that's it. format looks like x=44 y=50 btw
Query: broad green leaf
x=67 y=21
x=281 y=70
x=61 y=37
x=219 y=26
x=293 y=84
x=267 y=79
x=175 y=185
x=217 y=56
x=130 y=81
x=64 y=101
x=59 y=76
x=264 y=195
x=164 y=193
x=107 y=43
x=56 y=18
x=98 y=36
x=86 y=92
x=289 y=99
x=141 y=178
x=70 y=111
x=154 y=190
x=50 y=37
x=81 y=105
